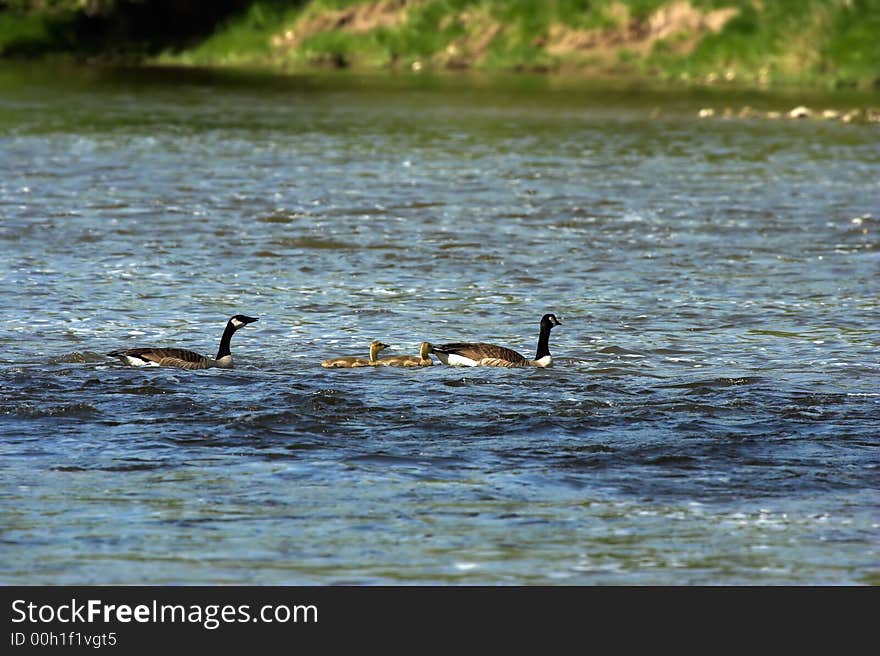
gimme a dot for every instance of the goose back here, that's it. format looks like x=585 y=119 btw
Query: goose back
x=478 y=353
x=481 y=354
x=165 y=357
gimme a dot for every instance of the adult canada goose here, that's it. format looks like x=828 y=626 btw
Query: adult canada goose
x=184 y=358
x=423 y=359
x=353 y=361
x=479 y=354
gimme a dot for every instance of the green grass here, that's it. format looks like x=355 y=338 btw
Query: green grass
x=425 y=33
x=769 y=42
x=244 y=38
x=853 y=47
x=32 y=34
x=787 y=41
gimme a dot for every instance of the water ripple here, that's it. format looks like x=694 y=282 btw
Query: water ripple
x=710 y=416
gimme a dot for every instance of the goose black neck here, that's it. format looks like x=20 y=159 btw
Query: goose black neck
x=543 y=341
x=225 y=341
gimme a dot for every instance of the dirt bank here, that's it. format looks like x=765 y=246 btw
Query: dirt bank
x=679 y=25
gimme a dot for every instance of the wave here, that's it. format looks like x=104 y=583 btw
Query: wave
x=78 y=410
x=77 y=357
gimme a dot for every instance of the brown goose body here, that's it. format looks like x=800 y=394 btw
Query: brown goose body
x=481 y=354
x=350 y=361
x=170 y=357
x=423 y=359
x=485 y=355
x=180 y=358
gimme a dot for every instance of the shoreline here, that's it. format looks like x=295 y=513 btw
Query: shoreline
x=728 y=102
x=821 y=46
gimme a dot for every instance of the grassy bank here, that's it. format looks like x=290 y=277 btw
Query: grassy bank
x=747 y=42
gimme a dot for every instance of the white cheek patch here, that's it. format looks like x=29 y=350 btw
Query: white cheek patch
x=237 y=323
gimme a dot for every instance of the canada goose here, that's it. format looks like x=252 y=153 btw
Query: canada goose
x=184 y=358
x=479 y=354
x=423 y=359
x=354 y=361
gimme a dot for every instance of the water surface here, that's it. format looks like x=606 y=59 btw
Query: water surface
x=711 y=416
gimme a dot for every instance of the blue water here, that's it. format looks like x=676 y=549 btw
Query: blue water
x=711 y=416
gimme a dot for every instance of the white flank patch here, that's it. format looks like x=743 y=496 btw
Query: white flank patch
x=457 y=360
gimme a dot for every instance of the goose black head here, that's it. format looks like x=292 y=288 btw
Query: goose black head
x=550 y=320
x=240 y=320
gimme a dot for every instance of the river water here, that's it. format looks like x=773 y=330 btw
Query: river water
x=711 y=416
